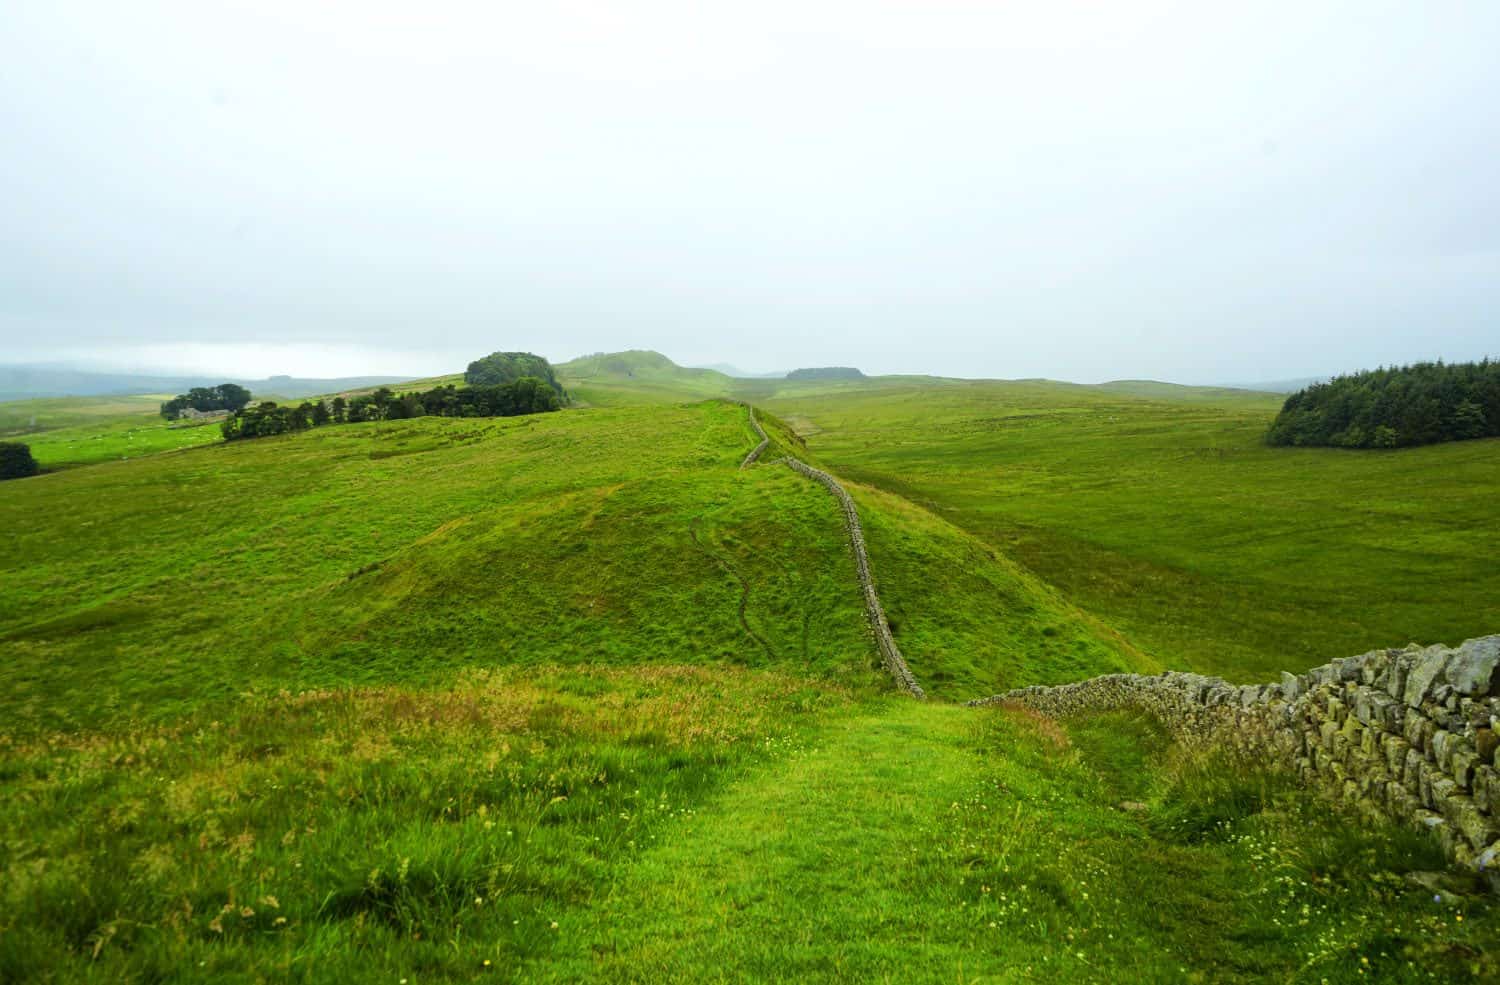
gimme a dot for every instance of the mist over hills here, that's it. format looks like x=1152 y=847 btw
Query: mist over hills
x=32 y=381
x=28 y=381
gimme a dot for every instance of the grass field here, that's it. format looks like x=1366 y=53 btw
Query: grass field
x=1174 y=523
x=572 y=696
x=402 y=552
x=68 y=431
x=689 y=824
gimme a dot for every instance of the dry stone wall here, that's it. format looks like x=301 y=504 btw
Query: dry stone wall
x=765 y=440
x=890 y=653
x=1408 y=734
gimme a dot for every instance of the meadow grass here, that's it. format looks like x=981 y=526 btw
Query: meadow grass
x=403 y=552
x=688 y=824
x=366 y=834
x=1174 y=523
x=68 y=431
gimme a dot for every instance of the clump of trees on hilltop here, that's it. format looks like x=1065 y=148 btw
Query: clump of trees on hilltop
x=226 y=396
x=1421 y=404
x=509 y=367
x=527 y=395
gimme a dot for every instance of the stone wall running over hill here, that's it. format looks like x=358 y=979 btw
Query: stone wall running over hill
x=1408 y=734
x=765 y=440
x=890 y=654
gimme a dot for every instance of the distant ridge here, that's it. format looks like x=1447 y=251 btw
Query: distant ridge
x=826 y=373
x=729 y=369
x=1178 y=391
x=27 y=382
x=1279 y=386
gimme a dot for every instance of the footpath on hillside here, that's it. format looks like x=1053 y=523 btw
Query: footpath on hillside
x=812 y=867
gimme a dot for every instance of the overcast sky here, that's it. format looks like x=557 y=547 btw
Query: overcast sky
x=1082 y=190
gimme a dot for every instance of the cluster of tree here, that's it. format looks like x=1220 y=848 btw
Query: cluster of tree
x=226 y=396
x=1419 y=404
x=508 y=367
x=16 y=461
x=527 y=395
x=826 y=373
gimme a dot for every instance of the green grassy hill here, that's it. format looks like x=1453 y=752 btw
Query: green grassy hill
x=615 y=378
x=405 y=551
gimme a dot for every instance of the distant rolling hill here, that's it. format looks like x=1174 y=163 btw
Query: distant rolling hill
x=27 y=382
x=1157 y=390
x=729 y=369
x=826 y=373
x=606 y=378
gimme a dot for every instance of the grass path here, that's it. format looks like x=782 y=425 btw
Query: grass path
x=807 y=870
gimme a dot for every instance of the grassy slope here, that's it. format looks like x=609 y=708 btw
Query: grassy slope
x=638 y=376
x=924 y=843
x=403 y=552
x=400 y=552
x=67 y=431
x=681 y=824
x=1173 y=522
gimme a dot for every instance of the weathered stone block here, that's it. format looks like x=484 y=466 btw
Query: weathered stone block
x=1395 y=682
x=1441 y=740
x=1396 y=749
x=1461 y=767
x=1425 y=820
x=1416 y=728
x=1461 y=812
x=1475 y=668
x=1411 y=775
x=1443 y=788
x=1426 y=669
x=1486 y=787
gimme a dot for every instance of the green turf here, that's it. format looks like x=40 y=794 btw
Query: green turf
x=690 y=824
x=1174 y=523
x=624 y=378
x=68 y=431
x=403 y=552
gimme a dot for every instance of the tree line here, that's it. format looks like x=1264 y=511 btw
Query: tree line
x=527 y=395
x=1420 y=404
x=226 y=396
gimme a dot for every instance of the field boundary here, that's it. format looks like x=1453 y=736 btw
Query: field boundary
x=1407 y=735
x=765 y=440
x=890 y=653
